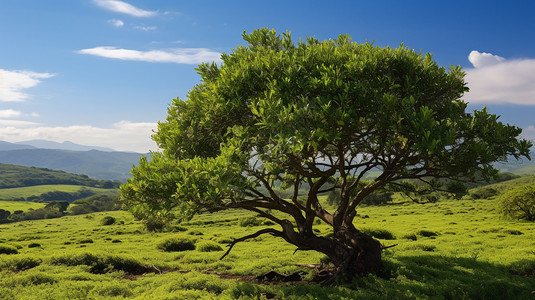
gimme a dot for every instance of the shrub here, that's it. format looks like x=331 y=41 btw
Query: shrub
x=34 y=245
x=86 y=241
x=101 y=264
x=519 y=203
x=427 y=233
x=176 y=244
x=7 y=249
x=154 y=224
x=379 y=233
x=208 y=246
x=410 y=236
x=107 y=220
x=195 y=232
x=23 y=263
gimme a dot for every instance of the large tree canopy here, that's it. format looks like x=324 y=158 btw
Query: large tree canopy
x=279 y=114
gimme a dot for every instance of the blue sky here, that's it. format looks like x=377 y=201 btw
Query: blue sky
x=102 y=72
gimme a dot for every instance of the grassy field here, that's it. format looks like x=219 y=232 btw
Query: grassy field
x=20 y=205
x=447 y=250
x=24 y=192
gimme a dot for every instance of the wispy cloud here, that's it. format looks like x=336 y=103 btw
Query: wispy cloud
x=116 y=23
x=9 y=113
x=177 y=55
x=16 y=123
x=125 y=8
x=495 y=79
x=123 y=136
x=13 y=84
x=146 y=28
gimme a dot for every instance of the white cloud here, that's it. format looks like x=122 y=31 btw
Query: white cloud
x=12 y=84
x=178 y=55
x=495 y=80
x=123 y=7
x=146 y=28
x=123 y=136
x=17 y=123
x=478 y=59
x=9 y=113
x=116 y=23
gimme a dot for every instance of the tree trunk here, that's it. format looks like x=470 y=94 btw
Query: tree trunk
x=353 y=253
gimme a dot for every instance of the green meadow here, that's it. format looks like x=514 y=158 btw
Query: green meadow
x=452 y=249
x=25 y=192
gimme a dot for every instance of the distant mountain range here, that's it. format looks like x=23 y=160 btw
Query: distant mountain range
x=99 y=164
x=43 y=144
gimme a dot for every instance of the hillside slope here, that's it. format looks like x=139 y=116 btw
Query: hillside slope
x=95 y=164
x=12 y=176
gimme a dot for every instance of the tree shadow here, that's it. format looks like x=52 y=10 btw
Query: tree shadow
x=429 y=277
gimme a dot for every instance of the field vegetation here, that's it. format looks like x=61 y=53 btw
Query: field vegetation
x=450 y=249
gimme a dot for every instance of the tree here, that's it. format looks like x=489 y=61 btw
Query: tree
x=324 y=113
x=519 y=203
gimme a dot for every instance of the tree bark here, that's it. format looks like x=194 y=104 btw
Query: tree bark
x=353 y=253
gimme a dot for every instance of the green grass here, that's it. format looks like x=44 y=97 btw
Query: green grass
x=20 y=205
x=475 y=254
x=24 y=192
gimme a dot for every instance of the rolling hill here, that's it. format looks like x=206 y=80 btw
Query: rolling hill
x=93 y=163
x=12 y=176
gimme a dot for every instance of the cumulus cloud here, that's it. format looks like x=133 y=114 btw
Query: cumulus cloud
x=178 y=55
x=478 y=59
x=13 y=84
x=495 y=80
x=116 y=23
x=123 y=136
x=9 y=113
x=123 y=7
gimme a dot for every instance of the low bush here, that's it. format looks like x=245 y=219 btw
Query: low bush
x=101 y=264
x=410 y=236
x=379 y=233
x=176 y=244
x=426 y=233
x=208 y=246
x=519 y=203
x=7 y=249
x=86 y=241
x=107 y=220
x=34 y=245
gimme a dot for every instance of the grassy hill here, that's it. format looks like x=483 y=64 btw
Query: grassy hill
x=95 y=164
x=452 y=249
x=20 y=176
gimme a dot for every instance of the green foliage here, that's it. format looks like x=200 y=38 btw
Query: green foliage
x=7 y=249
x=176 y=244
x=34 y=245
x=519 y=203
x=426 y=233
x=100 y=264
x=277 y=115
x=379 y=233
x=107 y=220
x=208 y=246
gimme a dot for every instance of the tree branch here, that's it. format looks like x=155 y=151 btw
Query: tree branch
x=254 y=235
